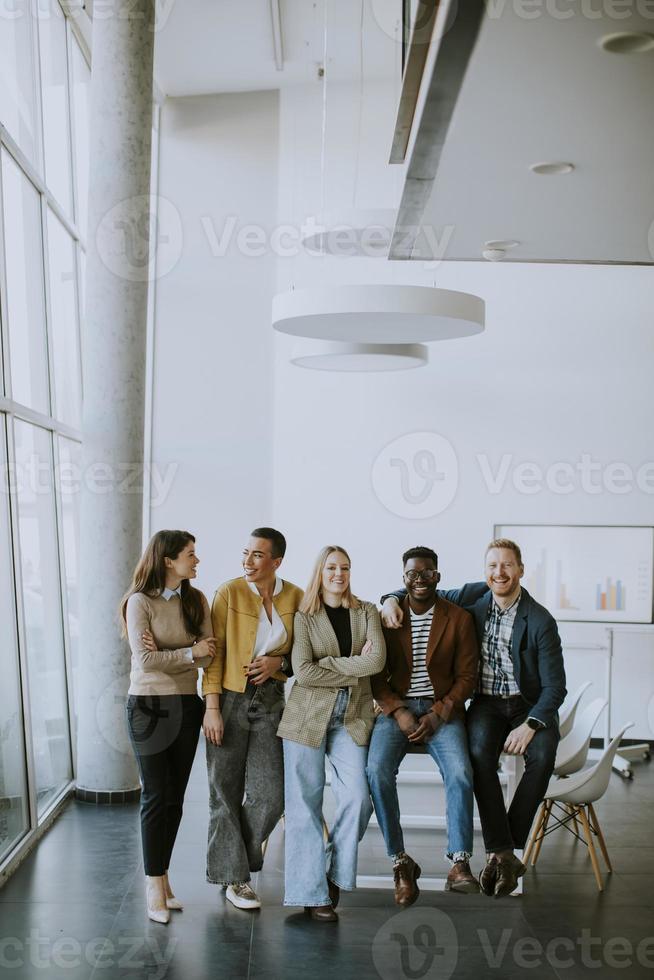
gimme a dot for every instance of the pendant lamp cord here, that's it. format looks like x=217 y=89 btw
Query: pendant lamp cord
x=323 y=142
x=360 y=120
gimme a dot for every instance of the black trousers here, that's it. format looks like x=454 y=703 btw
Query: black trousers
x=164 y=732
x=489 y=720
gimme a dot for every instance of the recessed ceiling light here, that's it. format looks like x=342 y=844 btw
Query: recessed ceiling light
x=503 y=243
x=555 y=167
x=627 y=42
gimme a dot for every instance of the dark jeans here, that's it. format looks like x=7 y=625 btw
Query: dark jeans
x=489 y=720
x=246 y=782
x=164 y=733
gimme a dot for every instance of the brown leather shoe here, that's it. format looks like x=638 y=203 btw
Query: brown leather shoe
x=509 y=869
x=321 y=913
x=334 y=893
x=461 y=879
x=488 y=876
x=405 y=874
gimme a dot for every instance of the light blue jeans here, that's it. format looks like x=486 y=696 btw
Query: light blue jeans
x=448 y=747
x=308 y=861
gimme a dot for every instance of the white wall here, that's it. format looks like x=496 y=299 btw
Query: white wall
x=563 y=370
x=213 y=370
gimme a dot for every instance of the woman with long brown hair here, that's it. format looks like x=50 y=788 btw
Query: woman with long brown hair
x=168 y=624
x=338 y=644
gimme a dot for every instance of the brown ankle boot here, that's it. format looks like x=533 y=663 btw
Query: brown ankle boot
x=406 y=873
x=321 y=913
x=461 y=878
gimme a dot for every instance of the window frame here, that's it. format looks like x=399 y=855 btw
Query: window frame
x=11 y=411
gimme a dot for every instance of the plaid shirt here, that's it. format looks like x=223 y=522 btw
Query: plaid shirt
x=497 y=676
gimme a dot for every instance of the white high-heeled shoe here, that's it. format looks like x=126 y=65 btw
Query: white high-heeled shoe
x=156 y=899
x=171 y=901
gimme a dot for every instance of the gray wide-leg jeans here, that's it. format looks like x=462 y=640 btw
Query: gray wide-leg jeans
x=246 y=783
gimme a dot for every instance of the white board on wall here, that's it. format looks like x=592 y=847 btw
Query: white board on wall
x=584 y=573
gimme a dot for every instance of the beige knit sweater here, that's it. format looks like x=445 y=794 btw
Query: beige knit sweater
x=168 y=670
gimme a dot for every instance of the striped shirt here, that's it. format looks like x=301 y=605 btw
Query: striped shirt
x=497 y=676
x=421 y=685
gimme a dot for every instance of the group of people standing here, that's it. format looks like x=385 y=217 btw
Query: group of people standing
x=366 y=689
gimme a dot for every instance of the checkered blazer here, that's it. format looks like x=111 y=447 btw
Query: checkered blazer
x=320 y=671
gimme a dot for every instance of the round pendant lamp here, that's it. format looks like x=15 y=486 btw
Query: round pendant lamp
x=378 y=314
x=359 y=357
x=352 y=233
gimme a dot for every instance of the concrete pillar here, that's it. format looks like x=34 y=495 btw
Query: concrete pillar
x=114 y=353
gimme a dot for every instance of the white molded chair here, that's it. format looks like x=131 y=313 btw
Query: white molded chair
x=569 y=710
x=572 y=752
x=573 y=796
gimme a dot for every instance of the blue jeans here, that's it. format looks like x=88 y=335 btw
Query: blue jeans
x=308 y=862
x=448 y=747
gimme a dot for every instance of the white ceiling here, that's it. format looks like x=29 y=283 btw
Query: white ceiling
x=206 y=46
x=542 y=89
x=537 y=88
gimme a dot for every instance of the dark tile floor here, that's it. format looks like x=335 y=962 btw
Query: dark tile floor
x=75 y=909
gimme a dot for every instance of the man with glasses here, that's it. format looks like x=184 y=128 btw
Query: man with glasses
x=252 y=619
x=431 y=670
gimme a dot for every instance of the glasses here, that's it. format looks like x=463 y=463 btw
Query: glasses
x=427 y=575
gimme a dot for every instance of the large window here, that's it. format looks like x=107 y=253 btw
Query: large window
x=14 y=819
x=44 y=645
x=44 y=107
x=64 y=327
x=80 y=94
x=17 y=90
x=68 y=469
x=25 y=307
x=54 y=97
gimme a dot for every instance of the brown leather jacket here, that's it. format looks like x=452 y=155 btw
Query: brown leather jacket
x=452 y=661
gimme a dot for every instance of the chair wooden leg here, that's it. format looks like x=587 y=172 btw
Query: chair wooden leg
x=546 y=817
x=325 y=830
x=600 y=836
x=573 y=813
x=591 y=847
x=534 y=834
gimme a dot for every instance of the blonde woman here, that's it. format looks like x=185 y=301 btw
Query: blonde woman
x=338 y=644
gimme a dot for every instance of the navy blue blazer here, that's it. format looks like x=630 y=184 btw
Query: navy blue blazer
x=535 y=649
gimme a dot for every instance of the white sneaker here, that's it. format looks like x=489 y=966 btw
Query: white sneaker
x=242 y=896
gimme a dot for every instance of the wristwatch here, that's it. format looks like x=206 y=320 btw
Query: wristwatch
x=285 y=665
x=535 y=724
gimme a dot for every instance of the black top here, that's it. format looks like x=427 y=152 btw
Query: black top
x=339 y=617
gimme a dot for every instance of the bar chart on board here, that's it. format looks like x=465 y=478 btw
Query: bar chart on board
x=579 y=572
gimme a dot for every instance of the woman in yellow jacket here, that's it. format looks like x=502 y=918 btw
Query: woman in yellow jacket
x=338 y=645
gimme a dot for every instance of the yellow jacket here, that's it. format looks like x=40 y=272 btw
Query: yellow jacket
x=235 y=619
